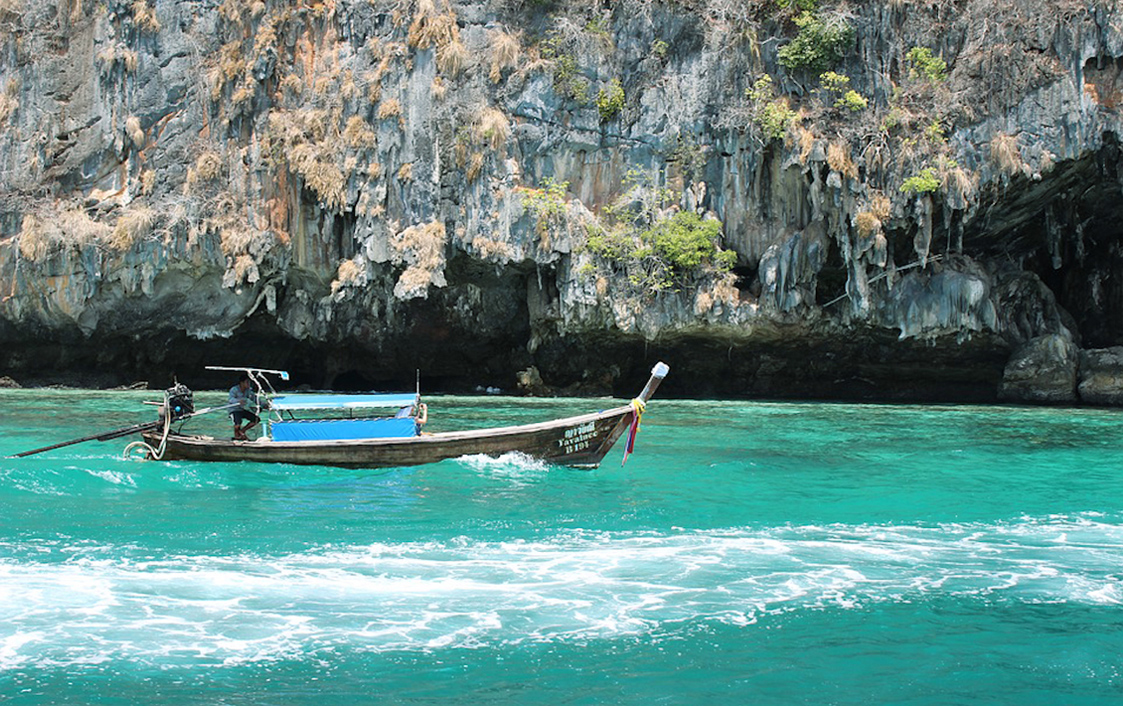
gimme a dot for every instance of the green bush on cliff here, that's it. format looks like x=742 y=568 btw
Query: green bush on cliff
x=684 y=241
x=925 y=182
x=838 y=87
x=771 y=115
x=923 y=64
x=610 y=100
x=547 y=201
x=668 y=253
x=821 y=42
x=568 y=80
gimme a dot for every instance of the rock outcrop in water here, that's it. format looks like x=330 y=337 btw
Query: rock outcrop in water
x=360 y=189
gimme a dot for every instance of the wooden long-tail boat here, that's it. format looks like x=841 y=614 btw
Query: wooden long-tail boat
x=581 y=441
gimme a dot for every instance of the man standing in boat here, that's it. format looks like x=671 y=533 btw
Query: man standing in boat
x=246 y=399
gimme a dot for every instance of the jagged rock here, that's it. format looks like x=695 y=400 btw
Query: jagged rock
x=7 y=382
x=1101 y=376
x=1042 y=371
x=530 y=382
x=313 y=187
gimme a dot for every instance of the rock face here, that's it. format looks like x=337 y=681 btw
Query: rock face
x=357 y=190
x=1101 y=376
x=1044 y=370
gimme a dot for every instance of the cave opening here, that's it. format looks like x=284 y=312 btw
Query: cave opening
x=1064 y=226
x=830 y=285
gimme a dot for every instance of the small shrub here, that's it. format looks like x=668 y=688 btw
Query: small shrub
x=389 y=108
x=923 y=64
x=834 y=82
x=133 y=226
x=838 y=159
x=771 y=115
x=452 y=58
x=208 y=167
x=659 y=49
x=349 y=274
x=684 y=240
x=852 y=101
x=359 y=133
x=475 y=166
x=598 y=27
x=147 y=181
x=9 y=100
x=1005 y=153
x=880 y=205
x=145 y=17
x=866 y=223
x=505 y=52
x=819 y=44
x=665 y=255
x=432 y=29
x=610 y=100
x=925 y=182
x=117 y=55
x=493 y=128
x=135 y=133
x=292 y=84
x=547 y=201
x=568 y=81
x=422 y=249
x=838 y=86
x=35 y=242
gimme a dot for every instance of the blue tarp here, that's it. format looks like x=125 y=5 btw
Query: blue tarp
x=336 y=429
x=284 y=402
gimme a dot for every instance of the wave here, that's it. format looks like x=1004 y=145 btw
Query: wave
x=103 y=603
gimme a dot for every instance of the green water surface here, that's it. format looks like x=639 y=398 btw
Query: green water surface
x=747 y=553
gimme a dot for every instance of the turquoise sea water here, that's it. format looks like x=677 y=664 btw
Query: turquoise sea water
x=747 y=553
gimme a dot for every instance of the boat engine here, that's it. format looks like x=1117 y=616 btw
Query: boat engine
x=179 y=400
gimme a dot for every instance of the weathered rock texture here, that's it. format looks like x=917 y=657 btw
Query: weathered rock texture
x=359 y=189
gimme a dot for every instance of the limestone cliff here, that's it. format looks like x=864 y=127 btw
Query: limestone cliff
x=890 y=199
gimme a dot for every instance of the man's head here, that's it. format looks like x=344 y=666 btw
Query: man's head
x=244 y=381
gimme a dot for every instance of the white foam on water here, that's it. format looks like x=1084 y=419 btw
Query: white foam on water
x=514 y=465
x=115 y=477
x=578 y=585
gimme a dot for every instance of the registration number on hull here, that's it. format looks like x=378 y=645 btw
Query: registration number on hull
x=578 y=438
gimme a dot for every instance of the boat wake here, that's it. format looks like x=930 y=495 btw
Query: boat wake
x=84 y=604
x=513 y=465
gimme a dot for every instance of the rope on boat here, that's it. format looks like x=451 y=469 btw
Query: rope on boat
x=153 y=454
x=638 y=408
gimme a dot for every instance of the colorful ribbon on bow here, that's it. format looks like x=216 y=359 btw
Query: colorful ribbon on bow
x=638 y=407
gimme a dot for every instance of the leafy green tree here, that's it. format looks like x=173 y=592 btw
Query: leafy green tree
x=820 y=43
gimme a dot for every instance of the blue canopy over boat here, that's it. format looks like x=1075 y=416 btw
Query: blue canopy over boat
x=288 y=402
x=338 y=429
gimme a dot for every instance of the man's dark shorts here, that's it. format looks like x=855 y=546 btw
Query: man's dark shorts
x=241 y=415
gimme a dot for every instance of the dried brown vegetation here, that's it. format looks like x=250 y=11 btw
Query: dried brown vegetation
x=504 y=51
x=145 y=17
x=359 y=133
x=389 y=108
x=492 y=128
x=1005 y=153
x=422 y=249
x=133 y=226
x=431 y=28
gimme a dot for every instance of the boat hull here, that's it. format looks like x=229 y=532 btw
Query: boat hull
x=581 y=441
